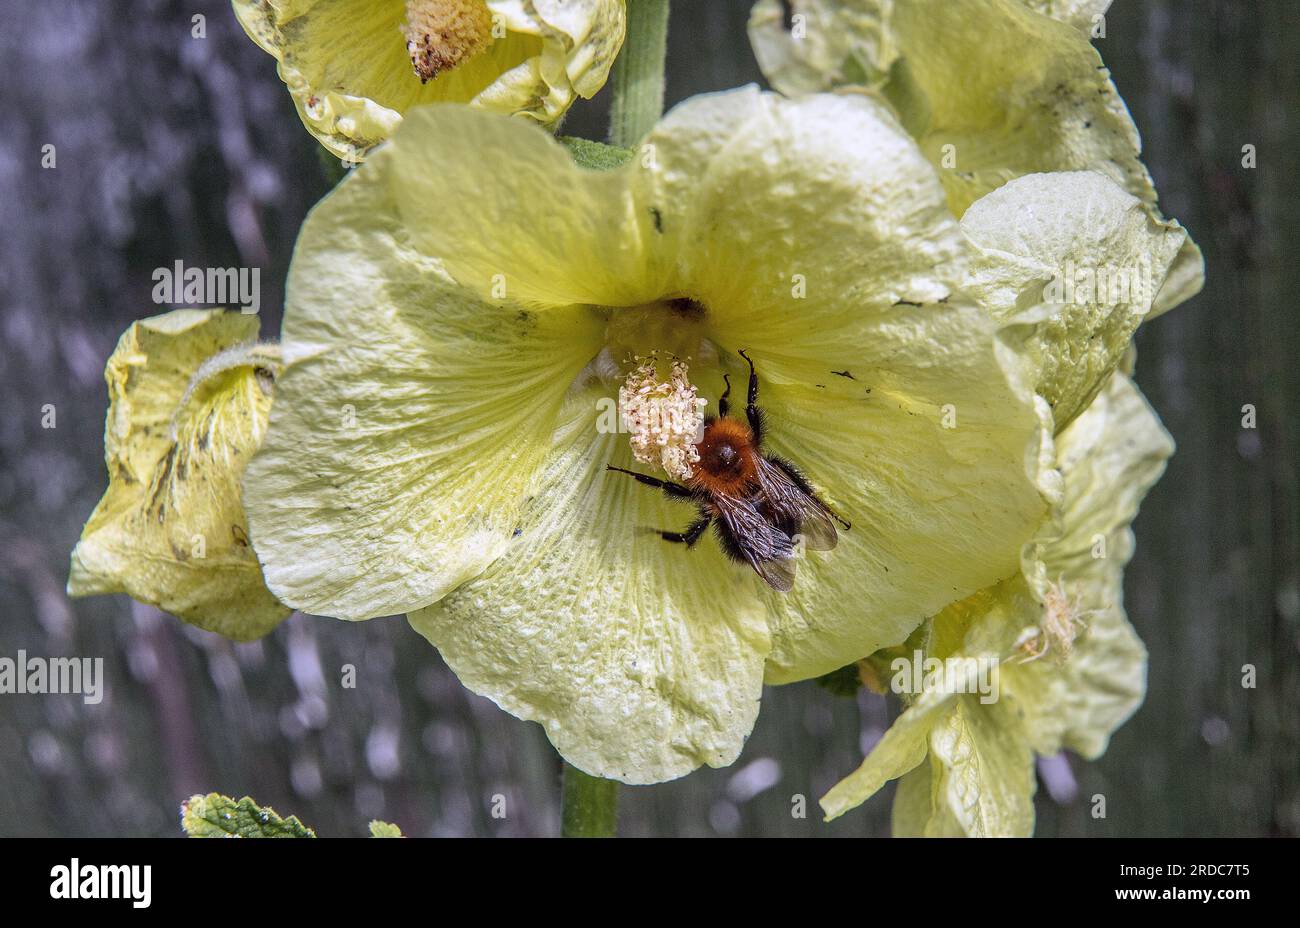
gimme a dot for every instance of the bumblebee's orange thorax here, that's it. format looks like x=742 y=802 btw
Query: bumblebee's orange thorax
x=726 y=453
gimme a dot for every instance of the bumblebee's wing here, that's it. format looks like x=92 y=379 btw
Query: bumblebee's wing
x=795 y=508
x=749 y=537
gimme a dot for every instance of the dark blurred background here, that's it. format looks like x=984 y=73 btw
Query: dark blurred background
x=170 y=147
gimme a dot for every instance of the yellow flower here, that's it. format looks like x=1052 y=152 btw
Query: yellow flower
x=991 y=90
x=189 y=394
x=355 y=67
x=1069 y=669
x=462 y=312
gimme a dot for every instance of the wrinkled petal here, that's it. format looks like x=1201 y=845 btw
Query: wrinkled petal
x=913 y=803
x=838 y=278
x=983 y=773
x=902 y=748
x=641 y=659
x=807 y=46
x=189 y=395
x=980 y=776
x=507 y=210
x=1081 y=257
x=347 y=66
x=1110 y=457
x=810 y=257
x=413 y=414
x=990 y=88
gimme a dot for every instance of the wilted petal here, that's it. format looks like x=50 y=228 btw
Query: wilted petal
x=982 y=773
x=189 y=393
x=347 y=64
x=1110 y=457
x=902 y=747
x=912 y=803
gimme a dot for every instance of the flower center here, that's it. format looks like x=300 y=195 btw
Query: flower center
x=672 y=327
x=649 y=349
x=443 y=34
x=663 y=416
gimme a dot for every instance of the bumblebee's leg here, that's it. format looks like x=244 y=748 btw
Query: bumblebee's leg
x=724 y=404
x=675 y=490
x=752 y=412
x=692 y=533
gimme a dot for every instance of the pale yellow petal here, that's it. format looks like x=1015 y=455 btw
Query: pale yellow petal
x=806 y=46
x=413 y=414
x=1083 y=261
x=1185 y=279
x=642 y=660
x=511 y=216
x=1110 y=457
x=904 y=744
x=913 y=803
x=983 y=773
x=902 y=748
x=882 y=383
x=1071 y=686
x=990 y=88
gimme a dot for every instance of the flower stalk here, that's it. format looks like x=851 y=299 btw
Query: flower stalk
x=589 y=805
x=638 y=74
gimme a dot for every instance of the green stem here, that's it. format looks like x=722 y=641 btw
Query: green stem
x=638 y=76
x=589 y=806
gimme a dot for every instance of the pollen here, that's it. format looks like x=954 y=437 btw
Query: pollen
x=664 y=418
x=443 y=34
x=1062 y=622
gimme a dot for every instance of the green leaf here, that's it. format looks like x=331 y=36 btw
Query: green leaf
x=217 y=816
x=380 y=829
x=595 y=156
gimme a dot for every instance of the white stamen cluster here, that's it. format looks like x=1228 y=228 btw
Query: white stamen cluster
x=663 y=418
x=1063 y=620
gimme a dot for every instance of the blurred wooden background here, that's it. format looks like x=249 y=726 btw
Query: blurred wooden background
x=170 y=147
